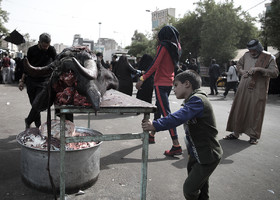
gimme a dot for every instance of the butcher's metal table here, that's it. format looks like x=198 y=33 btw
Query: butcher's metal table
x=113 y=102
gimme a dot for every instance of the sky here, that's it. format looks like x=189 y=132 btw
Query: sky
x=118 y=20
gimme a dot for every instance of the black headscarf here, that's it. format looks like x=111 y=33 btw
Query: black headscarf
x=169 y=37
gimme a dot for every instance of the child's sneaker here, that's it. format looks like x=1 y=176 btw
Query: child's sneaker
x=173 y=151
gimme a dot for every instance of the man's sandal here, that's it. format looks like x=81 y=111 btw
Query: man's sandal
x=230 y=137
x=253 y=141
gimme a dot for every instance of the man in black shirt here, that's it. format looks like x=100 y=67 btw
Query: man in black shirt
x=214 y=73
x=38 y=55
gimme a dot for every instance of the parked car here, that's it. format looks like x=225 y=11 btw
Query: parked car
x=222 y=81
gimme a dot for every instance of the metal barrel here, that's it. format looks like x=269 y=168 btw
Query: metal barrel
x=82 y=166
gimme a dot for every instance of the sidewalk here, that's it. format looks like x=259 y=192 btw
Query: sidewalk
x=246 y=171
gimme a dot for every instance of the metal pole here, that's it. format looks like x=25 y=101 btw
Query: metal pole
x=99 y=36
x=88 y=120
x=145 y=150
x=62 y=156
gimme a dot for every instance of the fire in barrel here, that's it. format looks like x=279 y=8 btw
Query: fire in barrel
x=82 y=160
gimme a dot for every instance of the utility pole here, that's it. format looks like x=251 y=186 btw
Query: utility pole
x=99 y=36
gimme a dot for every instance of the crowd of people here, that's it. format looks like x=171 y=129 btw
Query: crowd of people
x=161 y=74
x=11 y=68
x=255 y=68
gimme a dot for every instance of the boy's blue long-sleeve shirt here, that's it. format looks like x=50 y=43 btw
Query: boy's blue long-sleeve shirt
x=200 y=127
x=192 y=109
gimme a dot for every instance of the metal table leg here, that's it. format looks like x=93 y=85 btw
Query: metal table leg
x=88 y=120
x=145 y=150
x=62 y=156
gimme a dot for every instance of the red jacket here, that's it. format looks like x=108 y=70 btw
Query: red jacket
x=163 y=67
x=6 y=62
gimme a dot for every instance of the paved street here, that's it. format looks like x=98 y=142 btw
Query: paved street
x=246 y=172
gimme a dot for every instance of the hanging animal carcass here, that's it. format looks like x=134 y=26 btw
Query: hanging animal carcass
x=76 y=79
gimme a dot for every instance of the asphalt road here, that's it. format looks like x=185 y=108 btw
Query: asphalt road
x=246 y=172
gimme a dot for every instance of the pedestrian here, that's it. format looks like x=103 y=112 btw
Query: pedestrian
x=38 y=55
x=167 y=57
x=197 y=115
x=193 y=65
x=5 y=68
x=100 y=60
x=12 y=69
x=138 y=58
x=107 y=65
x=256 y=67
x=19 y=68
x=232 y=79
x=180 y=68
x=124 y=71
x=146 y=92
x=113 y=63
x=214 y=73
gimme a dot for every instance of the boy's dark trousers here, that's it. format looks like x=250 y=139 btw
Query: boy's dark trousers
x=196 y=186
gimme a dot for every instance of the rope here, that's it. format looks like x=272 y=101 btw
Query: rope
x=49 y=141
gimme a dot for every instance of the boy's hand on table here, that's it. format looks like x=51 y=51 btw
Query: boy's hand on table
x=147 y=125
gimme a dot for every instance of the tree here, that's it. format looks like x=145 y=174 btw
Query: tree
x=141 y=45
x=271 y=24
x=247 y=30
x=138 y=37
x=211 y=31
x=270 y=36
x=189 y=28
x=3 y=19
x=215 y=31
x=219 y=32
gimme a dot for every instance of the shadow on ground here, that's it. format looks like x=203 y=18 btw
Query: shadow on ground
x=231 y=147
x=119 y=157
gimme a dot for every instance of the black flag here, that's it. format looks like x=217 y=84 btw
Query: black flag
x=15 y=38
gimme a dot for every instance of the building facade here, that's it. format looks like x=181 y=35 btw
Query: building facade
x=79 y=41
x=162 y=17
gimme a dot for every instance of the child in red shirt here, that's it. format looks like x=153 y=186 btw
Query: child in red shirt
x=163 y=65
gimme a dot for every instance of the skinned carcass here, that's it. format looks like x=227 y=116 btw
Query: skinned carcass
x=76 y=79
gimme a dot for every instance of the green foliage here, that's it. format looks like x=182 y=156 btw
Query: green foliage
x=213 y=30
x=221 y=31
x=3 y=19
x=247 y=30
x=189 y=28
x=139 y=37
x=141 y=45
x=271 y=24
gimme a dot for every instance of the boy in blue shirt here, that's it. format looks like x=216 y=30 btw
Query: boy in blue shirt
x=197 y=115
